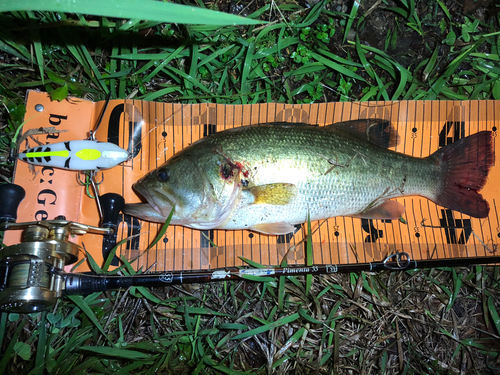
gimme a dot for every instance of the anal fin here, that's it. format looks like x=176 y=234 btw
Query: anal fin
x=274 y=228
x=387 y=210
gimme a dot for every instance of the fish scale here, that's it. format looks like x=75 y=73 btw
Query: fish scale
x=269 y=177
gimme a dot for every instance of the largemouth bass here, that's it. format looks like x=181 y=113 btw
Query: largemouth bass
x=269 y=177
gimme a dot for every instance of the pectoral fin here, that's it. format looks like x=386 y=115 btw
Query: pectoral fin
x=277 y=194
x=388 y=210
x=274 y=228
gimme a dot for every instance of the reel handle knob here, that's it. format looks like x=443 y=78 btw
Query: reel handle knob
x=11 y=195
x=111 y=204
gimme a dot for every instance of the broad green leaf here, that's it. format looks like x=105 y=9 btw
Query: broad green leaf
x=60 y=93
x=23 y=350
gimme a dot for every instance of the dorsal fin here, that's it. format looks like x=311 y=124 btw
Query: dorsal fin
x=284 y=123
x=378 y=131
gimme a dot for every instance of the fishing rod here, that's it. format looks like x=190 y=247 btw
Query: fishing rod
x=76 y=283
x=32 y=276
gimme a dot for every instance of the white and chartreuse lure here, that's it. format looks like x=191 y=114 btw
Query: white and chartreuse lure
x=85 y=155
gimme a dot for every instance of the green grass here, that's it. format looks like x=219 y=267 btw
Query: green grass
x=427 y=321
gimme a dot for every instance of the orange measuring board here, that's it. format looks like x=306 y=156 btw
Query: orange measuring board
x=159 y=130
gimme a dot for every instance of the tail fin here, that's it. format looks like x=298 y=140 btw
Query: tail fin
x=466 y=164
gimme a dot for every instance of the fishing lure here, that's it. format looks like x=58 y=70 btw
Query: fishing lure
x=78 y=155
x=86 y=155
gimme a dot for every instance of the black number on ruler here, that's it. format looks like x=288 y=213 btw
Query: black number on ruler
x=209 y=129
x=134 y=129
x=450 y=225
x=373 y=233
x=457 y=133
x=286 y=238
x=109 y=242
x=204 y=235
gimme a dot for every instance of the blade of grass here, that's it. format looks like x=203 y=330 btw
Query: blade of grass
x=133 y=9
x=198 y=311
x=252 y=263
x=278 y=323
x=312 y=15
x=309 y=254
x=170 y=70
x=93 y=264
x=14 y=49
x=352 y=17
x=116 y=352
x=245 y=71
x=444 y=8
x=7 y=354
x=236 y=326
x=369 y=70
x=162 y=92
x=430 y=65
x=494 y=313
x=404 y=74
x=281 y=286
x=3 y=325
x=37 y=46
x=336 y=67
x=82 y=303
x=452 y=67
x=163 y=229
x=303 y=313
x=41 y=349
x=306 y=69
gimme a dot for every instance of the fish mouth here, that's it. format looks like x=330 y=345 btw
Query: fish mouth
x=150 y=199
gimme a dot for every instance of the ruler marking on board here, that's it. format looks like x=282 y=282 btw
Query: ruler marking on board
x=416 y=232
x=329 y=236
x=473 y=111
x=155 y=162
x=497 y=227
x=186 y=132
x=486 y=128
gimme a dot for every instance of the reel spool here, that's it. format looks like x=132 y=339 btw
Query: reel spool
x=32 y=275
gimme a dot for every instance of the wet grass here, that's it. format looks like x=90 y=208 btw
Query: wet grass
x=432 y=321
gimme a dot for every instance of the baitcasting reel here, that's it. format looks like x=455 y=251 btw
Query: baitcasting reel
x=32 y=275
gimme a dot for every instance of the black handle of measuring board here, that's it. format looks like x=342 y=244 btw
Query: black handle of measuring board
x=85 y=284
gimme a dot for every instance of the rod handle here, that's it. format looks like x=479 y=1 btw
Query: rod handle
x=111 y=204
x=11 y=196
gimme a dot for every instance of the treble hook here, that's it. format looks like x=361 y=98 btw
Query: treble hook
x=91 y=181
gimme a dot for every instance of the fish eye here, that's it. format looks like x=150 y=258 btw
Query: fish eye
x=163 y=174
